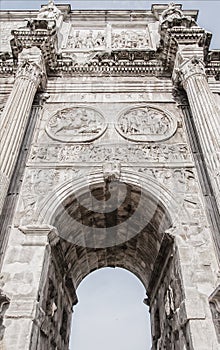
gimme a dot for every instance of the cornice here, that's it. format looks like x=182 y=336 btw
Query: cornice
x=118 y=63
x=39 y=33
x=173 y=37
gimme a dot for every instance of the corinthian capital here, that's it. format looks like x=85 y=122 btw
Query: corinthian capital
x=193 y=66
x=30 y=71
x=187 y=69
x=31 y=66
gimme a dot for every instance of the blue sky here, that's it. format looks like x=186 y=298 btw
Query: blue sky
x=110 y=314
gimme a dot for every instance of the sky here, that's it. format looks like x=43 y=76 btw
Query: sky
x=111 y=314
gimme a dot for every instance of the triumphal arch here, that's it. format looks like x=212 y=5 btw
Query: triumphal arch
x=110 y=140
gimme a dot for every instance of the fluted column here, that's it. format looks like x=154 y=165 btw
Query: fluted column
x=15 y=115
x=206 y=116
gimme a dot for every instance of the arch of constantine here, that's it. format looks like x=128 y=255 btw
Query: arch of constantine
x=110 y=139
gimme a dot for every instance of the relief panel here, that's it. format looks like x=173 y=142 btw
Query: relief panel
x=146 y=123
x=130 y=39
x=95 y=39
x=76 y=124
x=86 y=39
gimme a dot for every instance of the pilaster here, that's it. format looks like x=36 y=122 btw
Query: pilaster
x=26 y=258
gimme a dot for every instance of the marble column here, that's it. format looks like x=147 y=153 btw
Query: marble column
x=15 y=115
x=206 y=116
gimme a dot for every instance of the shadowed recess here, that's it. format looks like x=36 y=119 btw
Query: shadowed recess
x=126 y=232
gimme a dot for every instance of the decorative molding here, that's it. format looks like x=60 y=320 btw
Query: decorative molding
x=172 y=38
x=117 y=63
x=146 y=123
x=34 y=230
x=215 y=298
x=76 y=124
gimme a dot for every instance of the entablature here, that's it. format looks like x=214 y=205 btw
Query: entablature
x=109 y=43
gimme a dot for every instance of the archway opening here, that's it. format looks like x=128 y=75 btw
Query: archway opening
x=126 y=231
x=110 y=313
x=94 y=232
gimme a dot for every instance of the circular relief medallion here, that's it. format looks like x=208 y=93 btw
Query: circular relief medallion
x=146 y=123
x=76 y=124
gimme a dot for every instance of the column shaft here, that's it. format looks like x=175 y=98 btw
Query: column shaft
x=206 y=117
x=14 y=120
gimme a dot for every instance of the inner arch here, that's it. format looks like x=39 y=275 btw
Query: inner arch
x=134 y=245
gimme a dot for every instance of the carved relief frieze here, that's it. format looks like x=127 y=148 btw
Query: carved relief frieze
x=146 y=123
x=130 y=39
x=126 y=153
x=76 y=124
x=81 y=39
x=84 y=39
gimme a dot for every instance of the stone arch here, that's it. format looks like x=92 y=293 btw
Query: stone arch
x=148 y=254
x=84 y=239
x=170 y=201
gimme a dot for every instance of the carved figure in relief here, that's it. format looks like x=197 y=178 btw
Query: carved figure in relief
x=124 y=153
x=144 y=121
x=173 y=16
x=130 y=39
x=86 y=39
x=169 y=302
x=68 y=124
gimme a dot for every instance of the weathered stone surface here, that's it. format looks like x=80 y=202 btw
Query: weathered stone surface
x=122 y=170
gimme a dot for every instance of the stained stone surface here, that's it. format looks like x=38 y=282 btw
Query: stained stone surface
x=120 y=168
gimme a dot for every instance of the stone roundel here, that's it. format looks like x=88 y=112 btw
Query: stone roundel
x=76 y=124
x=146 y=123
